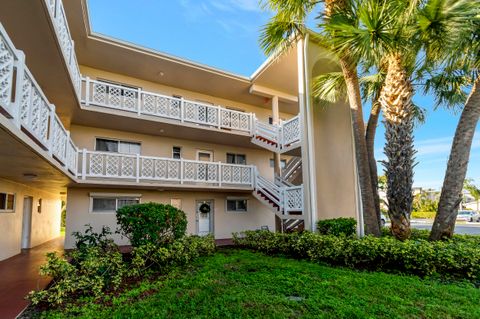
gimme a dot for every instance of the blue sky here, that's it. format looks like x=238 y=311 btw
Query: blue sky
x=224 y=34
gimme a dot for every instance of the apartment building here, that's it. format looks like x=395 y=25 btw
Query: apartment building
x=98 y=123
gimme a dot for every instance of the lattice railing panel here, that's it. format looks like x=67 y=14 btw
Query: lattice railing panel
x=7 y=59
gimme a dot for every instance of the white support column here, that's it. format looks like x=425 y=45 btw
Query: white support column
x=16 y=109
x=84 y=164
x=181 y=170
x=139 y=101
x=275 y=121
x=87 y=91
x=220 y=174
x=67 y=142
x=182 y=108
x=50 y=130
x=137 y=168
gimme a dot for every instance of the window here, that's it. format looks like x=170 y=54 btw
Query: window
x=236 y=205
x=236 y=159
x=123 y=87
x=7 y=202
x=116 y=146
x=283 y=163
x=106 y=203
x=176 y=152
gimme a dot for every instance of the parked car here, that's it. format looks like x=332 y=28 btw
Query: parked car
x=468 y=216
x=383 y=220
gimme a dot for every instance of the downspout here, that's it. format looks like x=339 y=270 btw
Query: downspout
x=358 y=198
x=311 y=191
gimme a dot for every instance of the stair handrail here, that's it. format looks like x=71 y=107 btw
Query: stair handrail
x=292 y=165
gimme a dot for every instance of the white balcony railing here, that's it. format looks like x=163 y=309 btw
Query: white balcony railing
x=148 y=169
x=277 y=138
x=22 y=100
x=142 y=102
x=59 y=19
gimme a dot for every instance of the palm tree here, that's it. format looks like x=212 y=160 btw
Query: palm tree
x=289 y=23
x=451 y=32
x=381 y=32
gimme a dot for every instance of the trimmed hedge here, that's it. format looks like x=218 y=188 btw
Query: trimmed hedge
x=151 y=223
x=337 y=226
x=458 y=258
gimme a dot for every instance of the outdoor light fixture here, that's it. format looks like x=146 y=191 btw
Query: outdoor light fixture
x=30 y=176
x=39 y=206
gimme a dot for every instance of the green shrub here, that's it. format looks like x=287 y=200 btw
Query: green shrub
x=427 y=215
x=89 y=238
x=89 y=273
x=337 y=226
x=457 y=258
x=149 y=258
x=151 y=223
x=95 y=270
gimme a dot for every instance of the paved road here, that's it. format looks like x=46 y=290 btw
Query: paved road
x=468 y=228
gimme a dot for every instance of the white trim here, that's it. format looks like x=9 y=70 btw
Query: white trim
x=117 y=140
x=246 y=199
x=9 y=211
x=115 y=197
x=205 y=152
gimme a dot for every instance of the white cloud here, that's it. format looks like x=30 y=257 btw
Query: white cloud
x=231 y=5
x=247 y=5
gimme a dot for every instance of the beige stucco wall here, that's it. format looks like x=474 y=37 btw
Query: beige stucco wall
x=332 y=153
x=45 y=225
x=78 y=207
x=84 y=137
x=262 y=113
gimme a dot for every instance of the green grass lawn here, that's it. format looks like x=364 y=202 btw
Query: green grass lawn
x=242 y=284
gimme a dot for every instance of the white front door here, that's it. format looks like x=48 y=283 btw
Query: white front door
x=27 y=222
x=204 y=217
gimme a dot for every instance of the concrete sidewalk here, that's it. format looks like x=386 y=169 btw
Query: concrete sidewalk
x=19 y=275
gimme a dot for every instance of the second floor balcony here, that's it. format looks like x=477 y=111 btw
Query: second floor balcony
x=105 y=167
x=136 y=102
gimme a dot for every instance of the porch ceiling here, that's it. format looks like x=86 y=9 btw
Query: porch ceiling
x=17 y=159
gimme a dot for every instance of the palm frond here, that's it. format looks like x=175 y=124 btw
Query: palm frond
x=329 y=87
x=286 y=25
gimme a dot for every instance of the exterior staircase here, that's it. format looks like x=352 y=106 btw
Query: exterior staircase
x=279 y=138
x=292 y=172
x=283 y=198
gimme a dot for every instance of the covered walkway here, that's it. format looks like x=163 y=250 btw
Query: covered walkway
x=19 y=275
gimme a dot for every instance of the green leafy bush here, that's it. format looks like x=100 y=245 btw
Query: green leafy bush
x=89 y=238
x=95 y=270
x=458 y=258
x=151 y=223
x=149 y=258
x=337 y=226
x=421 y=214
x=89 y=273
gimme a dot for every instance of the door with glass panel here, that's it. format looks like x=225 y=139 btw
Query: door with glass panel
x=204 y=170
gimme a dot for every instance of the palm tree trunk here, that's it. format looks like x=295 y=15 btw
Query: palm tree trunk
x=361 y=153
x=451 y=195
x=396 y=101
x=370 y=140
